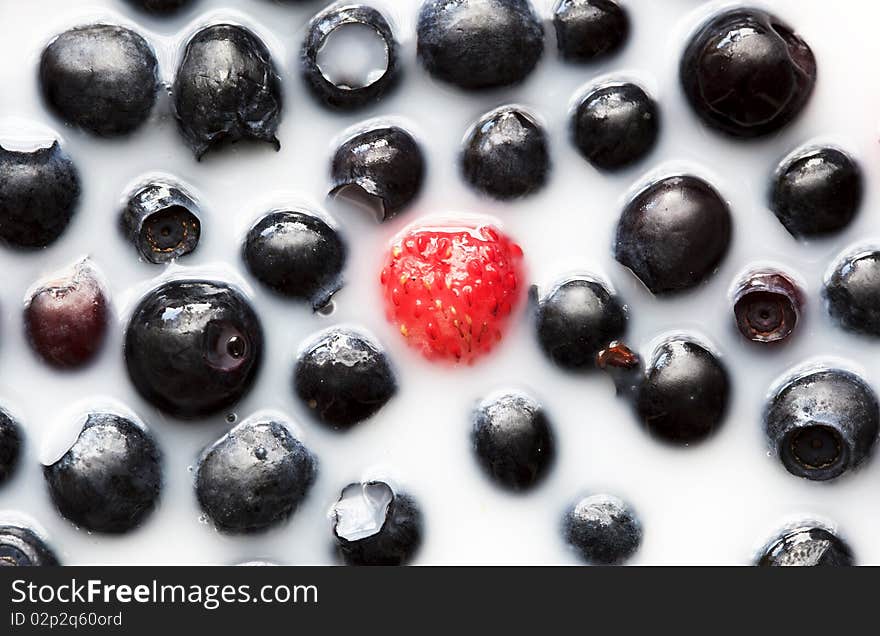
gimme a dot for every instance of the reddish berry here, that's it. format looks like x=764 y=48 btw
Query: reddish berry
x=451 y=287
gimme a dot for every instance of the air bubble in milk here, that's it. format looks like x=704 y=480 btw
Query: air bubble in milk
x=361 y=510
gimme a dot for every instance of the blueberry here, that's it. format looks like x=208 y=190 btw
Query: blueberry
x=588 y=30
x=505 y=154
x=746 y=73
x=161 y=7
x=603 y=530
x=102 y=78
x=674 y=234
x=226 y=89
x=374 y=525
x=254 y=477
x=39 y=192
x=852 y=292
x=11 y=442
x=161 y=220
x=110 y=478
x=381 y=169
x=479 y=44
x=576 y=320
x=513 y=440
x=817 y=192
x=343 y=377
x=345 y=36
x=193 y=347
x=66 y=319
x=807 y=546
x=20 y=546
x=823 y=422
x=615 y=126
x=296 y=254
x=767 y=305
x=684 y=395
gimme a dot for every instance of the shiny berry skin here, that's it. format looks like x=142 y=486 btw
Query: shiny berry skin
x=822 y=423
x=479 y=44
x=102 y=78
x=588 y=30
x=161 y=7
x=451 y=287
x=382 y=169
x=343 y=377
x=11 y=442
x=674 y=234
x=513 y=440
x=684 y=396
x=506 y=155
x=162 y=221
x=852 y=292
x=296 y=254
x=603 y=530
x=39 y=193
x=21 y=547
x=66 y=318
x=254 y=477
x=817 y=192
x=376 y=525
x=193 y=347
x=578 y=318
x=110 y=479
x=227 y=89
x=616 y=125
x=767 y=306
x=807 y=546
x=746 y=73
x=332 y=92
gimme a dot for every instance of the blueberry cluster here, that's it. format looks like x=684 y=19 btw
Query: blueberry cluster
x=193 y=347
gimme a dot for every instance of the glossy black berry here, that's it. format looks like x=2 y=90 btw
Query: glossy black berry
x=102 y=78
x=807 y=546
x=161 y=7
x=588 y=30
x=39 y=193
x=374 y=525
x=161 y=220
x=110 y=479
x=513 y=440
x=296 y=254
x=21 y=547
x=381 y=169
x=822 y=423
x=505 y=154
x=343 y=378
x=226 y=89
x=577 y=319
x=767 y=305
x=603 y=530
x=615 y=126
x=684 y=396
x=11 y=442
x=817 y=192
x=66 y=318
x=674 y=234
x=254 y=477
x=746 y=73
x=335 y=69
x=479 y=44
x=193 y=347
x=852 y=292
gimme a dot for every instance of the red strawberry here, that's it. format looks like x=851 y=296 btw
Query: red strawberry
x=451 y=287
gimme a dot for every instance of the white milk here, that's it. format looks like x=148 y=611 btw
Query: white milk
x=715 y=503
